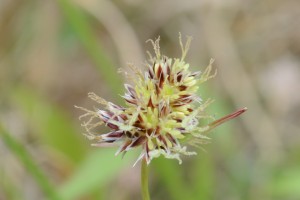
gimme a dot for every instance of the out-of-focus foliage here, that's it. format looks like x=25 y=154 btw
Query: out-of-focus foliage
x=52 y=53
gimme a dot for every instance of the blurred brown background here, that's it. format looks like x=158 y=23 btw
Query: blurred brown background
x=52 y=53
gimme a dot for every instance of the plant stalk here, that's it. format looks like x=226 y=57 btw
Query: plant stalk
x=144 y=180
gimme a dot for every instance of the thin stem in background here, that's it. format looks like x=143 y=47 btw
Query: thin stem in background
x=85 y=33
x=144 y=180
x=29 y=164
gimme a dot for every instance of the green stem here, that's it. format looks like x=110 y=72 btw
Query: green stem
x=144 y=180
x=29 y=163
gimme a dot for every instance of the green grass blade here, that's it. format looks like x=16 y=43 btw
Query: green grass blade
x=98 y=169
x=28 y=162
x=54 y=128
x=92 y=45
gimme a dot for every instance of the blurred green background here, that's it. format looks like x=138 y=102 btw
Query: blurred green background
x=52 y=53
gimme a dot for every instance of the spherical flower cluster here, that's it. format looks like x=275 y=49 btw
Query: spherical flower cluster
x=162 y=110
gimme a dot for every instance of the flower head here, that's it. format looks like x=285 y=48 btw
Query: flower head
x=162 y=109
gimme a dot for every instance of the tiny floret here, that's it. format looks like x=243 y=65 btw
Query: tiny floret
x=162 y=111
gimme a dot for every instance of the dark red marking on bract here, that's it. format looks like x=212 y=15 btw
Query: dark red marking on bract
x=131 y=101
x=123 y=116
x=138 y=124
x=178 y=120
x=139 y=141
x=159 y=72
x=127 y=143
x=163 y=111
x=112 y=126
x=179 y=77
x=140 y=118
x=150 y=74
x=115 y=134
x=181 y=129
x=149 y=131
x=186 y=101
x=184 y=96
x=131 y=90
x=117 y=107
x=178 y=104
x=182 y=87
x=171 y=138
x=150 y=104
x=161 y=138
x=190 y=109
x=105 y=115
x=168 y=73
x=157 y=130
x=161 y=80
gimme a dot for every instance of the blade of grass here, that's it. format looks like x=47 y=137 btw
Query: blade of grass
x=28 y=162
x=51 y=124
x=97 y=170
x=92 y=45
